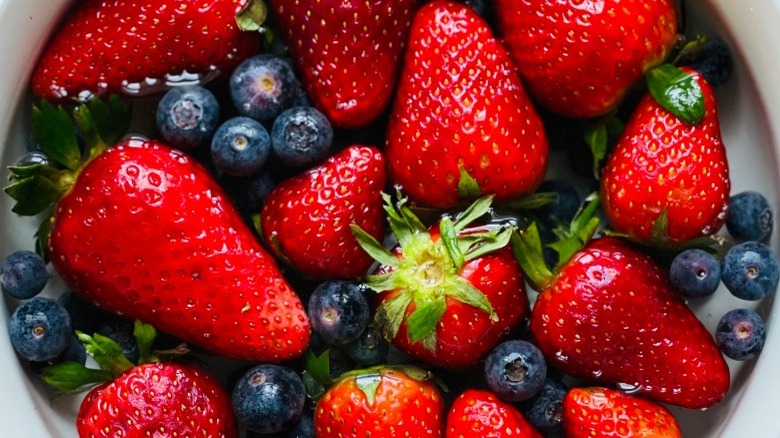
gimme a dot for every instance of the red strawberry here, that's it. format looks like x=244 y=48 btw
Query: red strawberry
x=113 y=46
x=449 y=294
x=306 y=220
x=604 y=412
x=348 y=52
x=611 y=315
x=461 y=124
x=579 y=58
x=478 y=413
x=663 y=165
x=381 y=403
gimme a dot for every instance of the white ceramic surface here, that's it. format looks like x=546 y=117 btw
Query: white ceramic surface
x=750 y=117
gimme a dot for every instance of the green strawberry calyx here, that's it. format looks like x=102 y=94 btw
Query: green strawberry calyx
x=678 y=91
x=367 y=380
x=252 y=16
x=424 y=273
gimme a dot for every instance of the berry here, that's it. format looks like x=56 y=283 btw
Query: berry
x=750 y=217
x=545 y=410
x=370 y=348
x=338 y=311
x=187 y=116
x=263 y=86
x=750 y=270
x=23 y=274
x=40 y=329
x=240 y=147
x=565 y=207
x=741 y=334
x=515 y=370
x=84 y=316
x=301 y=136
x=249 y=193
x=268 y=398
x=695 y=273
x=304 y=428
x=714 y=61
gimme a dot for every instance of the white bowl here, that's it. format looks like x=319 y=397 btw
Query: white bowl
x=750 y=119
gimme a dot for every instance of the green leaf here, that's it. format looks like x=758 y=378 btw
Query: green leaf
x=111 y=118
x=425 y=318
x=615 y=126
x=69 y=376
x=37 y=169
x=498 y=241
x=533 y=201
x=313 y=389
x=429 y=342
x=106 y=352
x=144 y=335
x=678 y=92
x=527 y=247
x=384 y=282
x=318 y=367
x=450 y=238
x=42 y=238
x=55 y=134
x=397 y=223
x=567 y=247
x=368 y=384
x=252 y=17
x=372 y=246
x=468 y=187
x=33 y=195
x=596 y=139
x=476 y=210
x=391 y=313
x=465 y=292
x=659 y=234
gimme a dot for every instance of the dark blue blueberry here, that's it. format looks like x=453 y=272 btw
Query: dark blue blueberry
x=121 y=331
x=714 y=61
x=301 y=136
x=695 y=273
x=187 y=116
x=478 y=6
x=750 y=217
x=268 y=398
x=304 y=428
x=23 y=274
x=84 y=316
x=515 y=370
x=750 y=270
x=240 y=147
x=567 y=204
x=338 y=311
x=75 y=352
x=263 y=86
x=741 y=334
x=370 y=348
x=545 y=409
x=248 y=193
x=40 y=329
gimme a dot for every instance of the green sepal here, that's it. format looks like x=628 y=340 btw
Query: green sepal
x=368 y=384
x=581 y=230
x=252 y=16
x=55 y=134
x=111 y=119
x=33 y=195
x=144 y=335
x=42 y=238
x=313 y=389
x=70 y=376
x=390 y=315
x=372 y=246
x=533 y=201
x=384 y=282
x=689 y=49
x=318 y=367
x=37 y=169
x=490 y=242
x=402 y=230
x=659 y=234
x=106 y=352
x=678 y=92
x=424 y=319
x=465 y=292
x=527 y=248
x=468 y=187
x=476 y=210
x=597 y=136
x=450 y=238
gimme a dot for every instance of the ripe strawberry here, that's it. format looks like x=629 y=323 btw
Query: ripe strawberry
x=348 y=52
x=604 y=412
x=478 y=413
x=306 y=219
x=665 y=168
x=461 y=124
x=381 y=402
x=579 y=59
x=611 y=315
x=112 y=46
x=143 y=230
x=448 y=294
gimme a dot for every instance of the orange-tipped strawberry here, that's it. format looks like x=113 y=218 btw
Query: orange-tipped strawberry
x=462 y=125
x=478 y=413
x=604 y=412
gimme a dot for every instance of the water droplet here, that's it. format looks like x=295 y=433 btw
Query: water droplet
x=629 y=388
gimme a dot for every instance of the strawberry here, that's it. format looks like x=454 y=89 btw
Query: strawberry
x=348 y=52
x=609 y=313
x=152 y=398
x=143 y=230
x=381 y=402
x=667 y=180
x=306 y=219
x=447 y=294
x=580 y=58
x=461 y=124
x=478 y=413
x=604 y=412
x=133 y=47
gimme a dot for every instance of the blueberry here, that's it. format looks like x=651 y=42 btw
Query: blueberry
x=304 y=428
x=741 y=334
x=240 y=147
x=268 y=398
x=40 y=329
x=750 y=217
x=121 y=331
x=74 y=352
x=301 y=136
x=515 y=370
x=257 y=189
x=714 y=61
x=478 y=6
x=695 y=273
x=262 y=87
x=338 y=311
x=187 y=116
x=84 y=316
x=567 y=204
x=750 y=270
x=370 y=348
x=545 y=409
x=23 y=274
